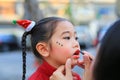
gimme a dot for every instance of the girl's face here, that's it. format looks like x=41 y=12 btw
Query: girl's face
x=64 y=44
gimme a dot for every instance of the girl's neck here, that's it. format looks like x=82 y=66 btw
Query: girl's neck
x=52 y=63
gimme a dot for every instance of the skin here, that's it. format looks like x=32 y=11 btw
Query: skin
x=63 y=45
x=58 y=74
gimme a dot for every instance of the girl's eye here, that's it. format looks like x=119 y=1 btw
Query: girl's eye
x=66 y=38
x=76 y=38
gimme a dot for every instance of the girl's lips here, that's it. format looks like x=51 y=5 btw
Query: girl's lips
x=77 y=52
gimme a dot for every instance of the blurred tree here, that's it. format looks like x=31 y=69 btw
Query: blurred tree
x=117 y=8
x=68 y=12
x=32 y=10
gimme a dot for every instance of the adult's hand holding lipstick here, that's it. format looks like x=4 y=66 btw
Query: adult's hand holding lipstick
x=84 y=52
x=87 y=59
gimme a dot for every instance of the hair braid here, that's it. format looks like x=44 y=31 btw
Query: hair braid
x=24 y=53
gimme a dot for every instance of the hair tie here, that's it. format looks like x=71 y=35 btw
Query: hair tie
x=26 y=24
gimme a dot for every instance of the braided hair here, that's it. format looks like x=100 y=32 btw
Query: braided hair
x=41 y=32
x=24 y=53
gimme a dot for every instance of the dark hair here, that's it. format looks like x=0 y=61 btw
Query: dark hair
x=41 y=32
x=107 y=64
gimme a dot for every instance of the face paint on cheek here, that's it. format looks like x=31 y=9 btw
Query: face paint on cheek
x=60 y=44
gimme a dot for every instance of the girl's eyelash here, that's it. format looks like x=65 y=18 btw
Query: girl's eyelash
x=66 y=37
x=76 y=38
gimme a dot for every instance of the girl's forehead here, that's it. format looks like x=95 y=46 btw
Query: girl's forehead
x=64 y=25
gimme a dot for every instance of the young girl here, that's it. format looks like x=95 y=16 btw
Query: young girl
x=53 y=41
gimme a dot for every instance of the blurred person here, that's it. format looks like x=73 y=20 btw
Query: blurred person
x=106 y=65
x=53 y=41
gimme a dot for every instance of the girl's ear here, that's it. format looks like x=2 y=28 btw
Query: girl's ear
x=42 y=48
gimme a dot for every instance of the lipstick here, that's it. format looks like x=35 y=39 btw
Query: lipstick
x=84 y=53
x=81 y=52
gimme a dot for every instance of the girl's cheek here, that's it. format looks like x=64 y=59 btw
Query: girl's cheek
x=60 y=49
x=65 y=49
x=65 y=52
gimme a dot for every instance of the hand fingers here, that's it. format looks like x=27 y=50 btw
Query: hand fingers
x=68 y=68
x=80 y=64
x=87 y=64
x=74 y=60
x=59 y=71
x=87 y=61
x=90 y=56
x=58 y=74
x=61 y=68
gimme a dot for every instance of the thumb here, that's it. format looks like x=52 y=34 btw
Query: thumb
x=87 y=64
x=68 y=69
x=87 y=61
x=58 y=74
x=61 y=69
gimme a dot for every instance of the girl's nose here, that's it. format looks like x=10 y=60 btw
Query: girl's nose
x=76 y=44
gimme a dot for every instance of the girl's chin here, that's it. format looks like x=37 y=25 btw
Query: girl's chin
x=75 y=58
x=74 y=62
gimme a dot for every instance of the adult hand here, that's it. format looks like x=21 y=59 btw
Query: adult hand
x=87 y=66
x=85 y=62
x=63 y=72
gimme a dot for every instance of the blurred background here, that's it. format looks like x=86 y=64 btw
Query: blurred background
x=91 y=18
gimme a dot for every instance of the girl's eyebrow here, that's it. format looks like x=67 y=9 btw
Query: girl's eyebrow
x=66 y=32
